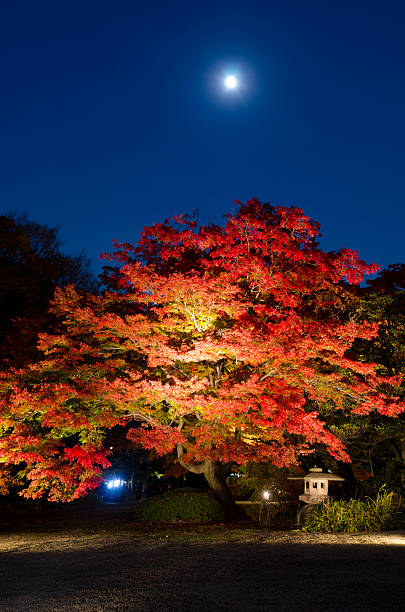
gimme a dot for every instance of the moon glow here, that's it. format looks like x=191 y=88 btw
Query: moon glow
x=231 y=81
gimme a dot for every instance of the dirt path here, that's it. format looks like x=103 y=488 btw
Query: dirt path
x=128 y=570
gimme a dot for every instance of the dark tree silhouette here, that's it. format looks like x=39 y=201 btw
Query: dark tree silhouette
x=32 y=265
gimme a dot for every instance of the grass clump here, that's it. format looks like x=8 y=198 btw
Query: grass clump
x=184 y=504
x=386 y=511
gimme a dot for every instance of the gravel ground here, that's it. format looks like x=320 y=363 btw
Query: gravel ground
x=125 y=567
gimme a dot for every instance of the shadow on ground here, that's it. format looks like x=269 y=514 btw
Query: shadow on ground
x=188 y=576
x=99 y=560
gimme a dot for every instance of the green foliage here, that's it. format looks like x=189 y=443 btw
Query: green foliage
x=386 y=511
x=180 y=505
x=392 y=472
x=254 y=478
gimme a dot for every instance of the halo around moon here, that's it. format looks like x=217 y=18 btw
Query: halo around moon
x=231 y=81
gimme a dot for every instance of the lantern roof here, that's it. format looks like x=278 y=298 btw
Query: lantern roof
x=316 y=473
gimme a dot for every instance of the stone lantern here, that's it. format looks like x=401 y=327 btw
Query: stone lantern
x=315 y=488
x=315 y=485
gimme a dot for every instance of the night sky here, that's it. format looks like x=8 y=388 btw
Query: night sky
x=113 y=115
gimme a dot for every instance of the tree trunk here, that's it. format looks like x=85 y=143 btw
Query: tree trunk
x=214 y=474
x=402 y=468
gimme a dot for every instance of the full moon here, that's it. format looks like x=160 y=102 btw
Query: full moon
x=231 y=82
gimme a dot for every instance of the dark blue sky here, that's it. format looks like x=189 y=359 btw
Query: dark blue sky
x=112 y=115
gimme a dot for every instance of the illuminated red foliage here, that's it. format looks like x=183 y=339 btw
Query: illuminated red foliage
x=227 y=343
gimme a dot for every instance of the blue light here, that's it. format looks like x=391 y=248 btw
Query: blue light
x=116 y=483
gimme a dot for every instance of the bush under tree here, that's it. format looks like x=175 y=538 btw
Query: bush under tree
x=183 y=504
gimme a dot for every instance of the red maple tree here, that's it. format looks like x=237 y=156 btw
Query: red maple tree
x=225 y=344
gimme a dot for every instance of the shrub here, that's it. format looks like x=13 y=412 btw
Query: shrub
x=181 y=504
x=254 y=478
x=386 y=511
